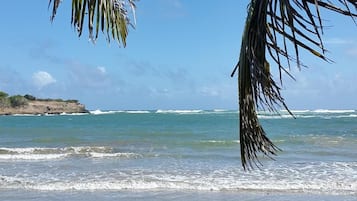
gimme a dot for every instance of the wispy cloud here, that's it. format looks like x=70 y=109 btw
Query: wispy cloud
x=175 y=3
x=102 y=70
x=352 y=52
x=87 y=76
x=159 y=75
x=339 y=41
x=42 y=78
x=142 y=68
x=12 y=81
x=42 y=51
x=173 y=8
x=322 y=88
x=349 y=45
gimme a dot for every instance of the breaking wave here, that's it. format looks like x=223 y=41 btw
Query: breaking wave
x=38 y=153
x=329 y=178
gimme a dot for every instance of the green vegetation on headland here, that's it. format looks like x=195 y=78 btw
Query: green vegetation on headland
x=29 y=104
x=18 y=100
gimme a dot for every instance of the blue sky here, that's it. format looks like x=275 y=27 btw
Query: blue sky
x=179 y=56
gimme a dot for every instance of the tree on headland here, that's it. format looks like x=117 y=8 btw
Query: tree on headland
x=3 y=94
x=18 y=101
x=30 y=97
x=275 y=30
x=4 y=101
x=12 y=101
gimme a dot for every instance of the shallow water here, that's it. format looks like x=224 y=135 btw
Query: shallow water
x=175 y=155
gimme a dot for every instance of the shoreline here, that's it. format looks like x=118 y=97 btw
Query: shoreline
x=16 y=194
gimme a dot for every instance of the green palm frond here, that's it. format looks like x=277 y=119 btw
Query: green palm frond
x=109 y=16
x=272 y=27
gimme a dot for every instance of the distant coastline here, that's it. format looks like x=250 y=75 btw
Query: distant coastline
x=28 y=104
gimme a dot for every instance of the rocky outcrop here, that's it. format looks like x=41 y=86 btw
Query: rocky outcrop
x=41 y=107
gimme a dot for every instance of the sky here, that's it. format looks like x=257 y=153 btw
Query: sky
x=179 y=56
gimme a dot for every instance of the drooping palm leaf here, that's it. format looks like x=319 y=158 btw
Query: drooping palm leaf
x=110 y=16
x=274 y=29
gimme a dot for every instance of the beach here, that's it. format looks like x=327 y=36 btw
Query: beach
x=175 y=155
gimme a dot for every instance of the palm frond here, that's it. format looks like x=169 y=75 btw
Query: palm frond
x=275 y=28
x=109 y=16
x=55 y=3
x=254 y=79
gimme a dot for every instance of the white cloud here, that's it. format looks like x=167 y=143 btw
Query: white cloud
x=339 y=41
x=90 y=77
x=352 y=52
x=210 y=91
x=176 y=4
x=102 y=69
x=172 y=8
x=42 y=79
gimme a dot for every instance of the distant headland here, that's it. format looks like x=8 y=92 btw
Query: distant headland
x=28 y=104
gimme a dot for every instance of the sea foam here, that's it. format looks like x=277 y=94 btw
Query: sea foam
x=38 y=153
x=179 y=111
x=324 y=178
x=100 y=112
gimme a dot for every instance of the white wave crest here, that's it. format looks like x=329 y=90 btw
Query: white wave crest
x=26 y=150
x=297 y=111
x=26 y=115
x=32 y=156
x=137 y=111
x=220 y=141
x=114 y=155
x=179 y=111
x=99 y=112
x=37 y=153
x=287 y=116
x=220 y=110
x=332 y=111
x=73 y=114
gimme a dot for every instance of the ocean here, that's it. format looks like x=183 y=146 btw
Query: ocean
x=175 y=155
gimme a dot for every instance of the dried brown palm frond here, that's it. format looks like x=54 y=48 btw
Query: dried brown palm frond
x=109 y=16
x=272 y=26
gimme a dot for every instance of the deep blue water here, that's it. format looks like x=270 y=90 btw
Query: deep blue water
x=166 y=151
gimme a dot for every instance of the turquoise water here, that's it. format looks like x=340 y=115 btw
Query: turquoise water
x=175 y=155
